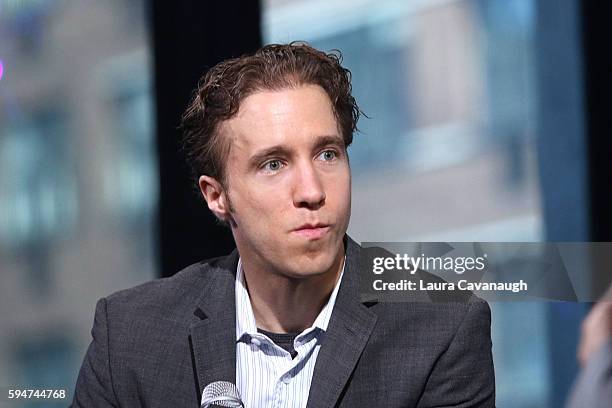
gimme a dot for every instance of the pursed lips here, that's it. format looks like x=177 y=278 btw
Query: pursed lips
x=312 y=231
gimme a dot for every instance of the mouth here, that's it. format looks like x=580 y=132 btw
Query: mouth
x=312 y=231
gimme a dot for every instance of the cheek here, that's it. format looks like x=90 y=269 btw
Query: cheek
x=340 y=187
x=346 y=196
x=255 y=206
x=346 y=202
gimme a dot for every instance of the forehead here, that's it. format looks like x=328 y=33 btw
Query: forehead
x=286 y=116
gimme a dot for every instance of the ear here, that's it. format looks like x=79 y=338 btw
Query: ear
x=215 y=196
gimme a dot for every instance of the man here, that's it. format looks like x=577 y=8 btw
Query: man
x=593 y=386
x=281 y=317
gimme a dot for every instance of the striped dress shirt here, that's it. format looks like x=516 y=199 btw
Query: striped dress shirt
x=266 y=374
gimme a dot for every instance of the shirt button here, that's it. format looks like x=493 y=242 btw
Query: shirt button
x=286 y=378
x=255 y=342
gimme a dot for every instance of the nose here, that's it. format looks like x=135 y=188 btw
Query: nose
x=308 y=189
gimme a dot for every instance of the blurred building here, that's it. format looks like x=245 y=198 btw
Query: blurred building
x=78 y=177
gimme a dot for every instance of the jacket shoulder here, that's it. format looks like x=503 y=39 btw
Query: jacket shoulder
x=165 y=297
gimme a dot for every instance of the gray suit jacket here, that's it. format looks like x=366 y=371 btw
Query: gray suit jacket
x=161 y=343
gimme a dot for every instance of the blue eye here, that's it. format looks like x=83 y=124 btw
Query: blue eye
x=273 y=165
x=328 y=155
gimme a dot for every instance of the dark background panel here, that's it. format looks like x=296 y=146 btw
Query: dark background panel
x=598 y=90
x=188 y=38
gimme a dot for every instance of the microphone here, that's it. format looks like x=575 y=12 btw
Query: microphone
x=222 y=394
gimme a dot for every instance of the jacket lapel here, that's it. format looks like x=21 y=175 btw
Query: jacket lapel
x=213 y=335
x=348 y=332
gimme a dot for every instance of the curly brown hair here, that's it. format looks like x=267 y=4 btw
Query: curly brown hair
x=273 y=67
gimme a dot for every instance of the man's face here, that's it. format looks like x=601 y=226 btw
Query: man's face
x=289 y=182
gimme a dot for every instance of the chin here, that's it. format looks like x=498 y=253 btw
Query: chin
x=318 y=264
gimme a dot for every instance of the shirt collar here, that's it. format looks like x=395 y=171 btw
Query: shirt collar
x=245 y=318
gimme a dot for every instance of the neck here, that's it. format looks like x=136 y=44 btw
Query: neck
x=282 y=304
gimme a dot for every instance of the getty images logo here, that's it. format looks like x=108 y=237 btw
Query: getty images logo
x=410 y=264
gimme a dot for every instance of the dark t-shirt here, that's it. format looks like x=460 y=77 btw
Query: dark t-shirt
x=283 y=340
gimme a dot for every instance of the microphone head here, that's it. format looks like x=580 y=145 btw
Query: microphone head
x=222 y=394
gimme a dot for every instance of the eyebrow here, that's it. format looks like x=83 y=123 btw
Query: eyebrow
x=260 y=156
x=279 y=150
x=328 y=140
